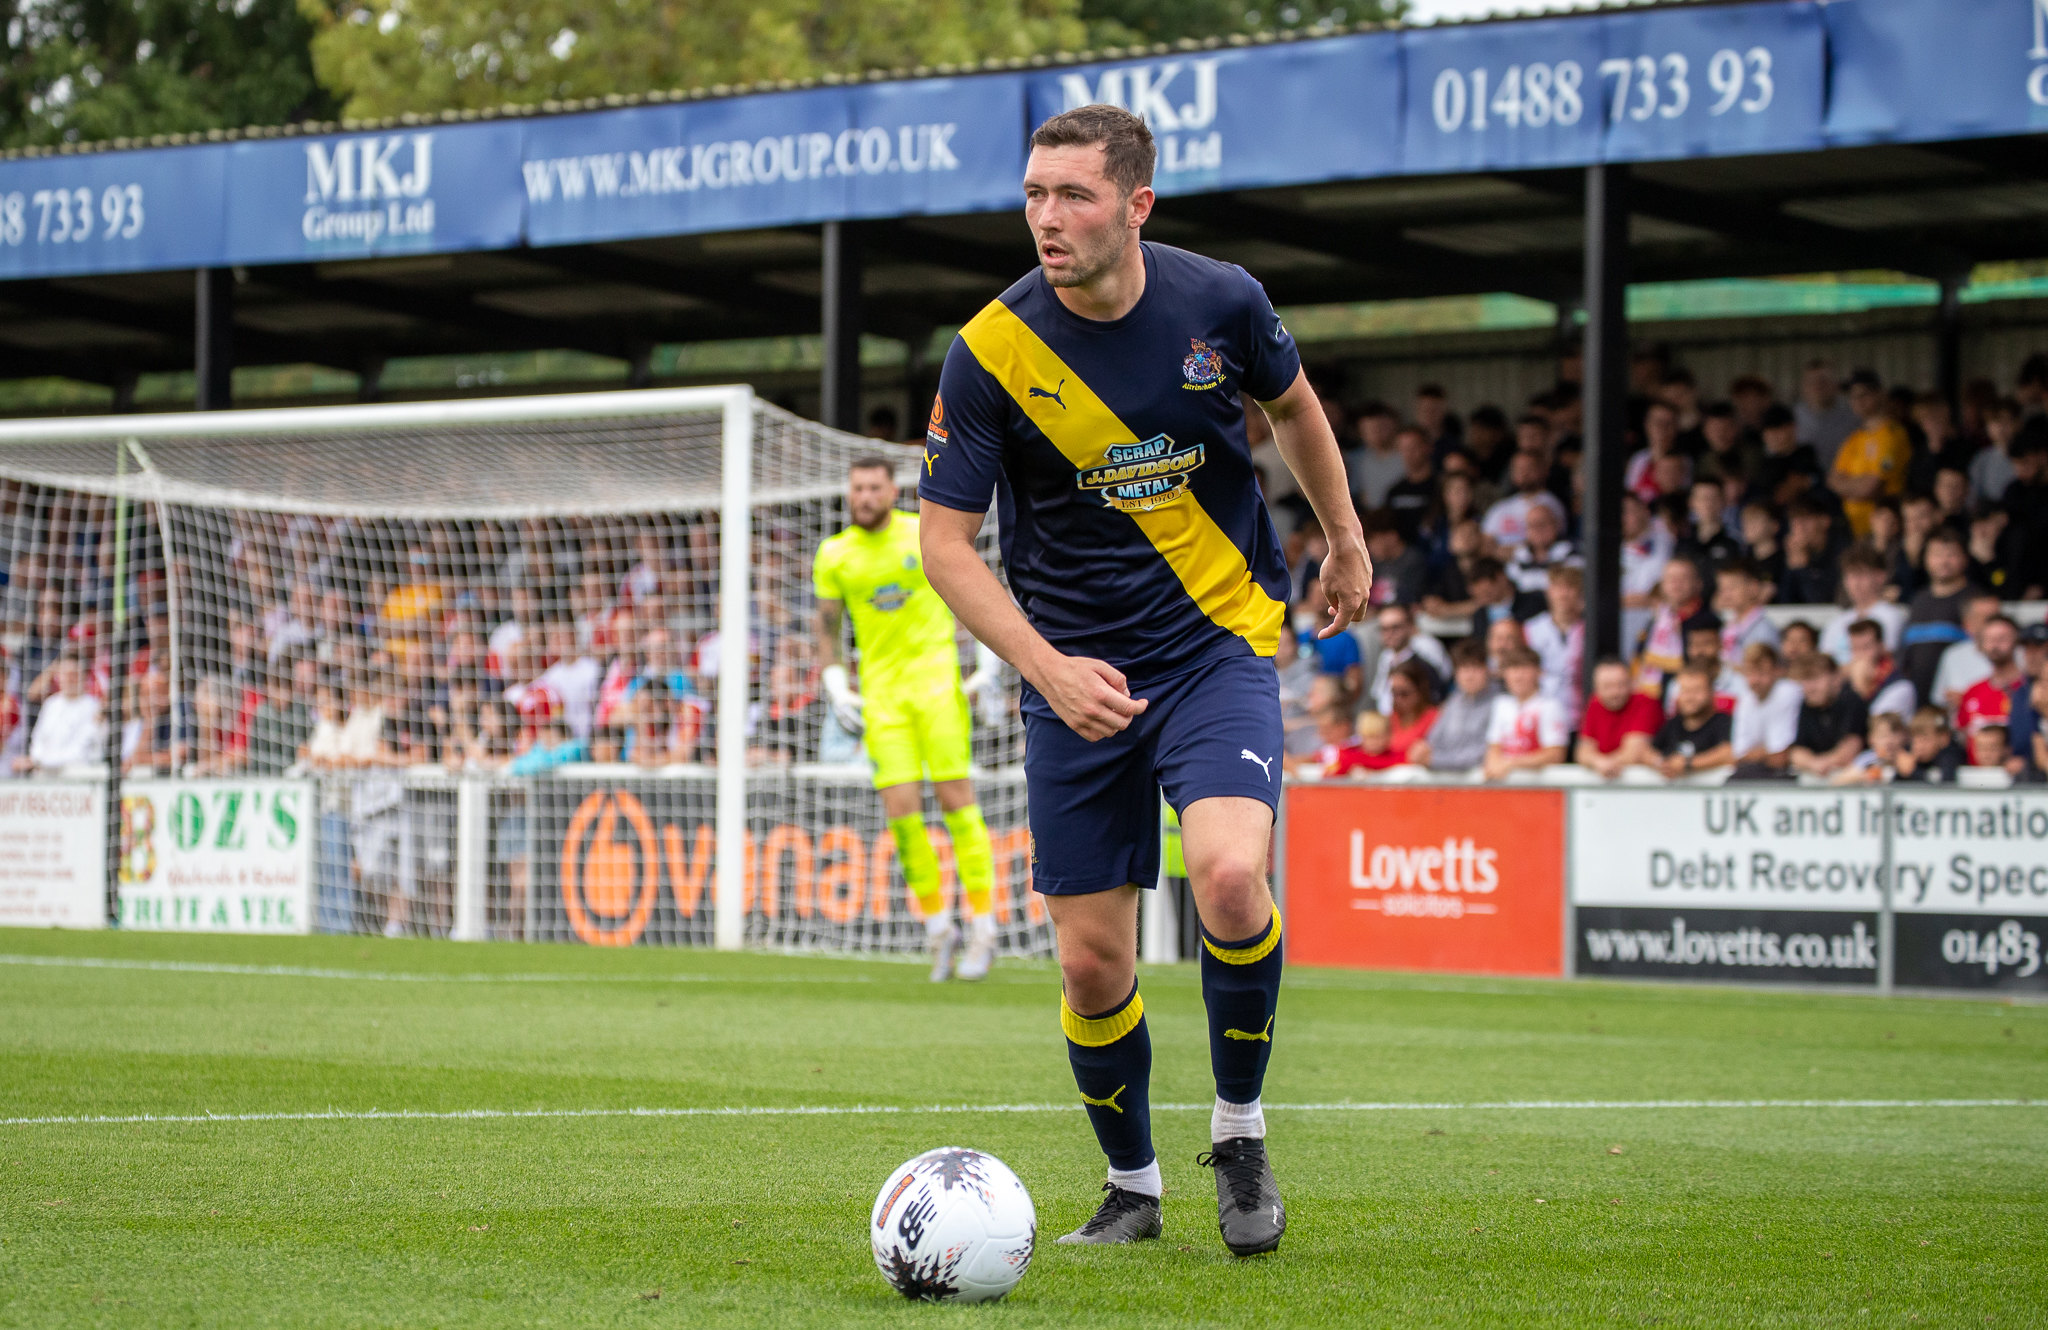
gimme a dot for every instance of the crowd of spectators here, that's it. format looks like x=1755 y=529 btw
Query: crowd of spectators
x=1902 y=530
x=343 y=644
x=1905 y=530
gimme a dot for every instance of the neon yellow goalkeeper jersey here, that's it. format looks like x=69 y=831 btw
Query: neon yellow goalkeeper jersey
x=904 y=631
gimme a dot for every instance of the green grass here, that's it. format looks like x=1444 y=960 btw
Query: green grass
x=1448 y=1216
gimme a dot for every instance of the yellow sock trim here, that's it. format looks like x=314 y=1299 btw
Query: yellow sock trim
x=972 y=858
x=1258 y=951
x=1094 y=1032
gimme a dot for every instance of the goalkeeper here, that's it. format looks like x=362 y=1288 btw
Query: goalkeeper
x=912 y=704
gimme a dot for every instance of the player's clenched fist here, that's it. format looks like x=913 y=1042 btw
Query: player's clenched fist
x=1090 y=696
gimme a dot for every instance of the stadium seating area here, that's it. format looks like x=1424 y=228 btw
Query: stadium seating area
x=1827 y=581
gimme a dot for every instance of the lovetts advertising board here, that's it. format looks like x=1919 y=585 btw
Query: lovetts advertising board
x=1466 y=880
x=217 y=856
x=1776 y=885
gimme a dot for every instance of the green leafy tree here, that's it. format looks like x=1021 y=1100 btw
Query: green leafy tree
x=384 y=57
x=83 y=70
x=1121 y=22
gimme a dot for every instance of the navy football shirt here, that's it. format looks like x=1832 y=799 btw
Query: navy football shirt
x=1133 y=529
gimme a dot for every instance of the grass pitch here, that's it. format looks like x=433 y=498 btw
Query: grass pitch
x=1441 y=1215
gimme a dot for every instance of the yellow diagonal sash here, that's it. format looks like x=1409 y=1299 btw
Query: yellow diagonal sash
x=1207 y=562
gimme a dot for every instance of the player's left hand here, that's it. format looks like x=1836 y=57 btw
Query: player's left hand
x=1347 y=581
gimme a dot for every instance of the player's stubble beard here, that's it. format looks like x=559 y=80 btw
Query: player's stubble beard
x=1090 y=259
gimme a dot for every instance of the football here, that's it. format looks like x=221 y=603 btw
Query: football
x=953 y=1225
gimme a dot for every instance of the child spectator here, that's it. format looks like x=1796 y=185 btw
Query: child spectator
x=1619 y=722
x=1863 y=578
x=1740 y=595
x=1457 y=738
x=1371 y=752
x=1336 y=736
x=1931 y=757
x=1528 y=730
x=1879 y=762
x=1990 y=748
x=1697 y=735
x=1832 y=720
x=1808 y=577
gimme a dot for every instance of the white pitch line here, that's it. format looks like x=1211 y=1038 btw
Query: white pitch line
x=890 y=1110
x=394 y=976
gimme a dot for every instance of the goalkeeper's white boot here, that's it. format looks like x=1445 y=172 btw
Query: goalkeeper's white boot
x=943 y=941
x=980 y=956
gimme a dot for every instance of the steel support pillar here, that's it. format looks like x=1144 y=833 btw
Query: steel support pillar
x=213 y=340
x=839 y=385
x=1606 y=405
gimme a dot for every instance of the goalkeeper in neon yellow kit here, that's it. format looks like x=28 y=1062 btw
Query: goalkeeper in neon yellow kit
x=911 y=704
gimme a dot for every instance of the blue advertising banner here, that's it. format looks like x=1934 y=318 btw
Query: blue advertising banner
x=111 y=212
x=434 y=189
x=938 y=145
x=1270 y=115
x=1923 y=70
x=1628 y=87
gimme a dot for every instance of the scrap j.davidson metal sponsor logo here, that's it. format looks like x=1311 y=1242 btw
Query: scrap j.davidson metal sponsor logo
x=1138 y=477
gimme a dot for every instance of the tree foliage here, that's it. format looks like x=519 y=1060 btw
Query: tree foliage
x=384 y=57
x=1120 y=22
x=82 y=70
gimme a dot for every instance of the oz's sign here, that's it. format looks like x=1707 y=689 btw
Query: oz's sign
x=1779 y=885
x=217 y=856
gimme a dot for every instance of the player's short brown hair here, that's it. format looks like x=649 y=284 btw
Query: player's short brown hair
x=871 y=462
x=1128 y=152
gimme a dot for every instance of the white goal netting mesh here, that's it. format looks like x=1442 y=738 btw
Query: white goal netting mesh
x=397 y=605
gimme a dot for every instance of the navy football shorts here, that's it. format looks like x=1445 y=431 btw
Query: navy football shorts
x=1211 y=730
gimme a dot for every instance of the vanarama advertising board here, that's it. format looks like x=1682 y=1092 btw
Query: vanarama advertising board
x=217 y=856
x=1426 y=878
x=1728 y=883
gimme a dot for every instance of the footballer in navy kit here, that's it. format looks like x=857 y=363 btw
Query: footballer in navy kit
x=1098 y=403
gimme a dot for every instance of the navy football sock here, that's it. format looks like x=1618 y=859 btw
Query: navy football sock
x=1112 y=1059
x=1241 y=988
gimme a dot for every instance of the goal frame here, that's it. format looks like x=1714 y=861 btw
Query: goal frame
x=735 y=405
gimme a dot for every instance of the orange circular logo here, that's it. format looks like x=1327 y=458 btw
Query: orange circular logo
x=609 y=884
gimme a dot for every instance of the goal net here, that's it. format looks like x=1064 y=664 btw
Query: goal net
x=499 y=639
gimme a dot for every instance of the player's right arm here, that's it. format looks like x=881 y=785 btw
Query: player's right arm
x=962 y=456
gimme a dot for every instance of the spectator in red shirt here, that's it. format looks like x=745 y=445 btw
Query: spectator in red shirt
x=1988 y=702
x=1412 y=716
x=1371 y=749
x=1618 y=724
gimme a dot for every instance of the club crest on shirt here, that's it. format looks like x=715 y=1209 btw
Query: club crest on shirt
x=1138 y=477
x=1203 y=368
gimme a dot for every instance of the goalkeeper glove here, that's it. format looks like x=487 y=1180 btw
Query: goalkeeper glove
x=845 y=703
x=985 y=685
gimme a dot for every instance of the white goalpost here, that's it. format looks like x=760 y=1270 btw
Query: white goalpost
x=496 y=643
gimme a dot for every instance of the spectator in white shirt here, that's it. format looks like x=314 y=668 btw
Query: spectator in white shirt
x=1766 y=713
x=1740 y=594
x=1528 y=730
x=1399 y=641
x=1558 y=636
x=1863 y=578
x=1964 y=665
x=1645 y=548
x=1506 y=524
x=572 y=677
x=67 y=731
